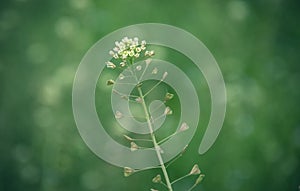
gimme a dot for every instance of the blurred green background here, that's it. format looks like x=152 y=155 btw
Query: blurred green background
x=256 y=44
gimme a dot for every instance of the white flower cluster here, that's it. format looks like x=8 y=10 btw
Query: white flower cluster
x=128 y=48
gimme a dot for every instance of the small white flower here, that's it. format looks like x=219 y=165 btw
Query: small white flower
x=129 y=41
x=138 y=49
x=131 y=53
x=110 y=65
x=149 y=53
x=129 y=47
x=111 y=53
x=125 y=39
x=132 y=47
x=122 y=45
x=124 y=56
x=122 y=64
x=116 y=56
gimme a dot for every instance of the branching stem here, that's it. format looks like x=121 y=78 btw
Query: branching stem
x=156 y=145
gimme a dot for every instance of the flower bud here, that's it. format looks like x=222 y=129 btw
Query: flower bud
x=116 y=56
x=110 y=65
x=125 y=39
x=111 y=53
x=131 y=53
x=137 y=55
x=122 y=64
x=138 y=49
x=149 y=53
x=200 y=178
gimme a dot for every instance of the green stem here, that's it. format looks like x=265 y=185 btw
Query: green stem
x=156 y=146
x=168 y=137
x=192 y=187
x=180 y=178
x=152 y=88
